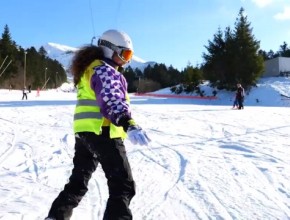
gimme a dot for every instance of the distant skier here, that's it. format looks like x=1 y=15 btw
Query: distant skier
x=102 y=120
x=24 y=93
x=240 y=94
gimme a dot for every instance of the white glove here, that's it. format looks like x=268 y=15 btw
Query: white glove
x=137 y=136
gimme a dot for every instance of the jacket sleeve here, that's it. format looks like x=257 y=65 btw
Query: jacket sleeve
x=110 y=88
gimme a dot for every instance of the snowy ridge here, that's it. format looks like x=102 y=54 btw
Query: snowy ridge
x=58 y=47
x=64 y=55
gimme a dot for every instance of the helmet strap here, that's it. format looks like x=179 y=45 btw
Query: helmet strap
x=107 y=44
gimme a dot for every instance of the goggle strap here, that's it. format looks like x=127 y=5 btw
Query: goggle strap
x=107 y=44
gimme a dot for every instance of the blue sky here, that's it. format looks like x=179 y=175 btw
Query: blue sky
x=173 y=32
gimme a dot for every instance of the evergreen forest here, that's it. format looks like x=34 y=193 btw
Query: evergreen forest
x=232 y=56
x=21 y=67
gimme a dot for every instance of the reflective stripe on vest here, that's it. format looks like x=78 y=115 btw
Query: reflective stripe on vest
x=87 y=102
x=87 y=115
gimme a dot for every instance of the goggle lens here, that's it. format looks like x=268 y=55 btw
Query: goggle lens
x=126 y=54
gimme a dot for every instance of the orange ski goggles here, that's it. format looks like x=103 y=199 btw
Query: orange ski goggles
x=125 y=54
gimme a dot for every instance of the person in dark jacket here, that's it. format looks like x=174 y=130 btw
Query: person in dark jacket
x=102 y=120
x=29 y=88
x=24 y=93
x=240 y=94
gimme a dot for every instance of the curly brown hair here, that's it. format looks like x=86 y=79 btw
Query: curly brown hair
x=82 y=59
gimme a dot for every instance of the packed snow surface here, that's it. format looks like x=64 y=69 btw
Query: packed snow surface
x=205 y=161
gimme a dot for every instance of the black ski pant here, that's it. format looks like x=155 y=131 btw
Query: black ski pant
x=91 y=149
x=241 y=102
x=24 y=96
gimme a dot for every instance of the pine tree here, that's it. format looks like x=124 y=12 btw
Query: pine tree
x=251 y=65
x=192 y=77
x=214 y=67
x=34 y=63
x=234 y=57
x=8 y=52
x=284 y=50
x=231 y=60
x=131 y=79
x=42 y=52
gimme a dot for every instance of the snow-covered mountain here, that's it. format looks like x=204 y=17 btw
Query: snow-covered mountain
x=64 y=54
x=61 y=53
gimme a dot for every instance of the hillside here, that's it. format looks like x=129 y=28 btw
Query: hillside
x=272 y=88
x=272 y=91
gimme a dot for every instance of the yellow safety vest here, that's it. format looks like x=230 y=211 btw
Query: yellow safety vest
x=87 y=115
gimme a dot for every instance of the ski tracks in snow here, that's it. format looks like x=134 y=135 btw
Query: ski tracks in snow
x=29 y=154
x=218 y=176
x=198 y=166
x=18 y=159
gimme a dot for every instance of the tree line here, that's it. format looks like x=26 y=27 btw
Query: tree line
x=20 y=67
x=232 y=56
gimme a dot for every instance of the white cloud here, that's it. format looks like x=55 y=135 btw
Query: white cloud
x=285 y=15
x=262 y=3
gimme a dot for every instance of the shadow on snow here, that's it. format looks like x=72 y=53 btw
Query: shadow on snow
x=28 y=103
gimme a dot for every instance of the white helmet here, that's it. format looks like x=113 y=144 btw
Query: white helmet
x=116 y=41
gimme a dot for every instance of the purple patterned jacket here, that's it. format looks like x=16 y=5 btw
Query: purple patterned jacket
x=110 y=87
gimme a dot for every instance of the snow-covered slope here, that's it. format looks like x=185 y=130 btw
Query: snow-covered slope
x=205 y=160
